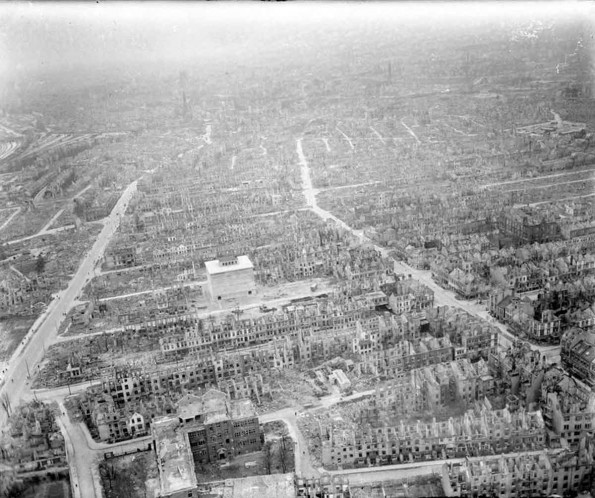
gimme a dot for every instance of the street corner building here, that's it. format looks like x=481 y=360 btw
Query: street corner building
x=206 y=429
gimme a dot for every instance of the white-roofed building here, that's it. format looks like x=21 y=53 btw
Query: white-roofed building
x=230 y=278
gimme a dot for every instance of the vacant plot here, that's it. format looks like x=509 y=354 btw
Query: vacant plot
x=275 y=458
x=12 y=331
x=46 y=487
x=127 y=476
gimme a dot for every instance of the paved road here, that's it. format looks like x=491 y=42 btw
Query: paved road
x=59 y=393
x=346 y=138
x=377 y=134
x=285 y=298
x=303 y=462
x=557 y=175
x=353 y=185
x=303 y=466
x=393 y=472
x=41 y=234
x=9 y=219
x=405 y=470
x=44 y=332
x=411 y=132
x=442 y=297
x=364 y=475
x=81 y=458
x=84 y=454
x=46 y=229
x=85 y=451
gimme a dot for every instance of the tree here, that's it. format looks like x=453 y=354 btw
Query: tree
x=5 y=403
x=15 y=490
x=123 y=485
x=108 y=473
x=284 y=452
x=40 y=264
x=267 y=451
x=79 y=209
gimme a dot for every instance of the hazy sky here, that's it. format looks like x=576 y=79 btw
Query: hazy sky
x=36 y=36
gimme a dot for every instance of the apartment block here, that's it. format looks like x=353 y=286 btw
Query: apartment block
x=34 y=442
x=516 y=475
x=210 y=428
x=578 y=354
x=408 y=295
x=326 y=486
x=527 y=226
x=568 y=406
x=480 y=431
x=122 y=257
x=429 y=388
x=519 y=372
x=219 y=428
x=211 y=370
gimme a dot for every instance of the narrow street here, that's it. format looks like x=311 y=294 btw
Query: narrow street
x=346 y=138
x=196 y=283
x=411 y=132
x=46 y=230
x=40 y=234
x=49 y=223
x=340 y=187
x=9 y=219
x=557 y=175
x=562 y=200
x=377 y=134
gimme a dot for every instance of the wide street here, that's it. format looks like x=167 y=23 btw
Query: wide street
x=442 y=297
x=43 y=333
x=84 y=453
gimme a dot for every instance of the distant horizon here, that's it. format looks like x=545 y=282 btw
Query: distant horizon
x=38 y=36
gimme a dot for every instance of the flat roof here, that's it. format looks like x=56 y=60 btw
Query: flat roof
x=214 y=267
x=174 y=460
